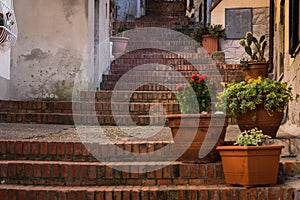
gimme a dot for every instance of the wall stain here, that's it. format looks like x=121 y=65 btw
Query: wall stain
x=69 y=8
x=35 y=54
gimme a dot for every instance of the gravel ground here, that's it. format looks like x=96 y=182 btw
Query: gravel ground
x=90 y=133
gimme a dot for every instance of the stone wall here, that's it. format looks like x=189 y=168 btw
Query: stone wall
x=51 y=46
x=260 y=26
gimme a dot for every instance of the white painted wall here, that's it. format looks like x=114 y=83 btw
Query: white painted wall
x=51 y=46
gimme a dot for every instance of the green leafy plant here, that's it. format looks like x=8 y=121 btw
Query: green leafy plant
x=240 y=97
x=215 y=30
x=198 y=85
x=254 y=48
x=253 y=137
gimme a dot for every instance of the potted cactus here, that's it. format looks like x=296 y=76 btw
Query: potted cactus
x=255 y=49
x=250 y=163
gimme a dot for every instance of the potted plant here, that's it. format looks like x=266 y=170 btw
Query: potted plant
x=250 y=163
x=119 y=42
x=258 y=103
x=257 y=65
x=209 y=36
x=196 y=131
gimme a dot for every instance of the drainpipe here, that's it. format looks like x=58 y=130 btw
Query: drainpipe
x=271 y=36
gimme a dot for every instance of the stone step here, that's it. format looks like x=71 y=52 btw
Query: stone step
x=59 y=173
x=182 y=192
x=82 y=119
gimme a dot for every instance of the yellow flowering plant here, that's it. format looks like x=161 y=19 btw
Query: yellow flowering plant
x=244 y=96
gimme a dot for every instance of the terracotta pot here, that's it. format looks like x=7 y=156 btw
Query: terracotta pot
x=210 y=43
x=119 y=45
x=190 y=131
x=250 y=165
x=256 y=69
x=269 y=123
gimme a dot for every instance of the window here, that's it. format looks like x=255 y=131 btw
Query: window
x=237 y=22
x=294 y=33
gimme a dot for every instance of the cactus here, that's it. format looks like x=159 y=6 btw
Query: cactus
x=253 y=47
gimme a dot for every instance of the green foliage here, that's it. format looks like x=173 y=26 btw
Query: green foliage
x=240 y=97
x=215 y=30
x=253 y=137
x=254 y=48
x=199 y=86
x=122 y=28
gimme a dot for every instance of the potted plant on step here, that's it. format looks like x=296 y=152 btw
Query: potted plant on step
x=209 y=36
x=250 y=163
x=196 y=131
x=257 y=103
x=119 y=42
x=257 y=65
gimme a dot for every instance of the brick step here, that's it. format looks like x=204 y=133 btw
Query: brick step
x=191 y=68
x=136 y=96
x=78 y=151
x=138 y=86
x=154 y=77
x=82 y=119
x=59 y=173
x=100 y=108
x=161 y=54
x=182 y=192
x=167 y=22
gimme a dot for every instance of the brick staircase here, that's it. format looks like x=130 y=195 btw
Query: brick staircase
x=67 y=170
x=70 y=170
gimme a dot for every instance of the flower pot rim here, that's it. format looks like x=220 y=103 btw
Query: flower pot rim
x=119 y=37
x=197 y=115
x=247 y=148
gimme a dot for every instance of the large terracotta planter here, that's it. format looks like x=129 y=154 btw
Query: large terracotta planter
x=210 y=43
x=119 y=45
x=210 y=131
x=250 y=165
x=269 y=123
x=256 y=69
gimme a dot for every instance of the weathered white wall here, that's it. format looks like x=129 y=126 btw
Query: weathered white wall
x=51 y=46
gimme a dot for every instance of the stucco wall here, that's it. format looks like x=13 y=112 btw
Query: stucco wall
x=218 y=13
x=260 y=25
x=51 y=46
x=291 y=72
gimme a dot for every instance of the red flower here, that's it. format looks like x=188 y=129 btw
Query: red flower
x=200 y=79
x=179 y=87
x=195 y=76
